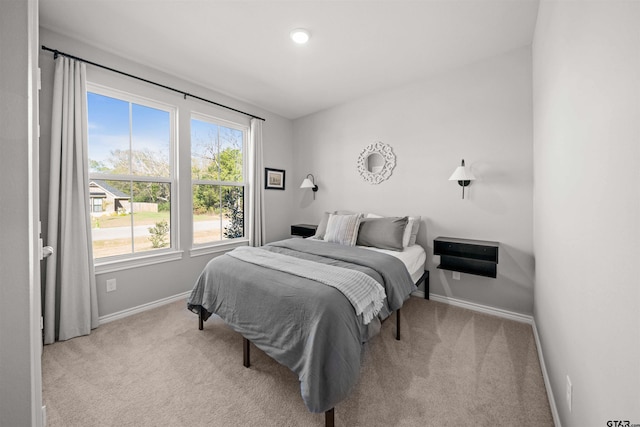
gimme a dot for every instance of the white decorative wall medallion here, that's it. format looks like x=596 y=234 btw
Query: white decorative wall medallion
x=376 y=162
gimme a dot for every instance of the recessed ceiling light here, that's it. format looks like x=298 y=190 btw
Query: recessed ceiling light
x=300 y=35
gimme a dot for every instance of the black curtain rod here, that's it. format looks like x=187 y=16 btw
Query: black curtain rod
x=185 y=94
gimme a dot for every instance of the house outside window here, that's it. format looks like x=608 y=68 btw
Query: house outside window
x=105 y=199
x=218 y=177
x=131 y=146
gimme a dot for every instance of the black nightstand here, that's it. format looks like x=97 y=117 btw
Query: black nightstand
x=303 y=230
x=467 y=256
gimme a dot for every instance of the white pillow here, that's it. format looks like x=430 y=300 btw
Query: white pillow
x=406 y=237
x=322 y=226
x=342 y=229
x=414 y=229
x=410 y=233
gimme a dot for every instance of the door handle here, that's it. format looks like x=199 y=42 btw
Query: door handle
x=47 y=251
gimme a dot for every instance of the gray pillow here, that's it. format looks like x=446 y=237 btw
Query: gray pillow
x=383 y=233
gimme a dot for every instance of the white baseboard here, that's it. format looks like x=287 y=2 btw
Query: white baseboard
x=418 y=294
x=139 y=309
x=545 y=376
x=499 y=312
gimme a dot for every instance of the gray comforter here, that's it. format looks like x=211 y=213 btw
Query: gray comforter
x=307 y=326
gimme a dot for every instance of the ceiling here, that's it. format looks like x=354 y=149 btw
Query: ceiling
x=242 y=48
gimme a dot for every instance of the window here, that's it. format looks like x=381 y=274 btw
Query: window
x=96 y=204
x=131 y=171
x=218 y=180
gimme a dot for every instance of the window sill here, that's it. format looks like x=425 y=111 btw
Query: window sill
x=138 y=261
x=218 y=248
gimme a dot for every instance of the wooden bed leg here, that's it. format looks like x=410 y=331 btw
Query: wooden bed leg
x=246 y=356
x=200 y=321
x=398 y=324
x=328 y=417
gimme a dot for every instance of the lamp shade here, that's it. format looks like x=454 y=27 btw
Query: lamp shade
x=307 y=183
x=462 y=174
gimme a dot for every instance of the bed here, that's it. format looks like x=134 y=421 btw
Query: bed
x=281 y=298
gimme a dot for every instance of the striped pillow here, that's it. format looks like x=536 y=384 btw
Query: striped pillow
x=342 y=229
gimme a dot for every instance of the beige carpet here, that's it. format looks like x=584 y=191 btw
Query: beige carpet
x=453 y=367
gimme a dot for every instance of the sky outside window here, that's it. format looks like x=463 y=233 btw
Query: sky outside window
x=111 y=131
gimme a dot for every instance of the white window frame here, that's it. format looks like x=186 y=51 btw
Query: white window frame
x=126 y=261
x=228 y=244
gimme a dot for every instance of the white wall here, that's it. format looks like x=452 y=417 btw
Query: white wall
x=20 y=383
x=482 y=113
x=586 y=73
x=143 y=285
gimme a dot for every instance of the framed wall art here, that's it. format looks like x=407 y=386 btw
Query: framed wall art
x=274 y=179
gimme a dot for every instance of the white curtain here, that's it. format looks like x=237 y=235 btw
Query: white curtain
x=71 y=305
x=256 y=212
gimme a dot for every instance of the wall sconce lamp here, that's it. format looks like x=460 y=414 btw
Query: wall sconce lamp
x=310 y=183
x=463 y=176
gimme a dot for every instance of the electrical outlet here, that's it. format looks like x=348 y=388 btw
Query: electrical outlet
x=456 y=275
x=569 y=392
x=111 y=285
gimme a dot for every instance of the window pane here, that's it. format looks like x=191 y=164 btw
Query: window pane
x=204 y=150
x=151 y=211
x=128 y=139
x=127 y=226
x=111 y=228
x=108 y=133
x=218 y=213
x=150 y=146
x=233 y=212
x=230 y=154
